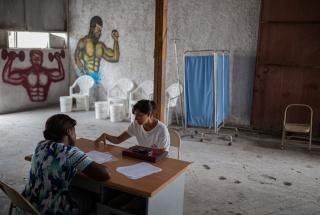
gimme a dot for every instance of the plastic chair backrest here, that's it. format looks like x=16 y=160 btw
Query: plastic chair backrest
x=175 y=140
x=84 y=82
x=298 y=105
x=174 y=91
x=121 y=88
x=147 y=88
x=143 y=91
x=17 y=199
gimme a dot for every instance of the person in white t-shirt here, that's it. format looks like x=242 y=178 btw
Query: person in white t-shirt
x=148 y=130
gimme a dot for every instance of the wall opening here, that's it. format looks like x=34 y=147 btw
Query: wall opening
x=27 y=39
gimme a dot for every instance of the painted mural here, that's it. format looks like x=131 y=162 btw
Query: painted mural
x=90 y=50
x=36 y=79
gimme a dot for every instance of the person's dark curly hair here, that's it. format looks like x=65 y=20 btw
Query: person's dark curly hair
x=145 y=106
x=57 y=127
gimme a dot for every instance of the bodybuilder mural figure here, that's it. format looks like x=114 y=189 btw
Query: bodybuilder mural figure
x=36 y=79
x=90 y=50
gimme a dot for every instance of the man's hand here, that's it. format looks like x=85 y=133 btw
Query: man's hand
x=115 y=35
x=101 y=139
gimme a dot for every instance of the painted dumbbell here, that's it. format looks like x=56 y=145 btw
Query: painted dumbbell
x=5 y=54
x=57 y=55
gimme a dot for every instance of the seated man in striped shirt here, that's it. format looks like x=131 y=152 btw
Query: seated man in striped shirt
x=54 y=163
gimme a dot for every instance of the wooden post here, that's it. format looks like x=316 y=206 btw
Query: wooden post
x=160 y=54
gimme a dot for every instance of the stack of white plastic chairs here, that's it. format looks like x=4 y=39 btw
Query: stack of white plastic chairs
x=118 y=98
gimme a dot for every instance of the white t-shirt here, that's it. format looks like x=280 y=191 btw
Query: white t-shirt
x=158 y=137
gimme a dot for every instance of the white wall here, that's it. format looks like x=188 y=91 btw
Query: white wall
x=15 y=98
x=218 y=24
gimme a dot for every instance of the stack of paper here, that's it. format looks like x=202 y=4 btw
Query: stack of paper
x=138 y=170
x=100 y=157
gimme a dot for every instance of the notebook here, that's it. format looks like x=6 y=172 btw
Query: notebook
x=99 y=157
x=138 y=170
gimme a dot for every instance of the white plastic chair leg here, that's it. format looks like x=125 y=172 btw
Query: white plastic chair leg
x=167 y=116
x=87 y=103
x=177 y=118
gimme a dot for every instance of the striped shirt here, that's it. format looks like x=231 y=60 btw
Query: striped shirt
x=52 y=168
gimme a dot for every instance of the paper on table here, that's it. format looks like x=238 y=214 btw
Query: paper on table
x=100 y=157
x=138 y=170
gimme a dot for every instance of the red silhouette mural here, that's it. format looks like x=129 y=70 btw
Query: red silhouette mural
x=36 y=79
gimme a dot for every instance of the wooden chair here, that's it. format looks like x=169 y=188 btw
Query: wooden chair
x=175 y=140
x=297 y=127
x=17 y=200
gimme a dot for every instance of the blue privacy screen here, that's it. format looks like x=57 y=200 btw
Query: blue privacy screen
x=201 y=100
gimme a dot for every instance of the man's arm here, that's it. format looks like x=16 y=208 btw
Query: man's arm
x=112 y=55
x=79 y=161
x=57 y=74
x=78 y=54
x=97 y=172
x=9 y=75
x=113 y=139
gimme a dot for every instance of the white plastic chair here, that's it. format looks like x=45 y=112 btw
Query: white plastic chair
x=301 y=128
x=85 y=83
x=120 y=91
x=175 y=140
x=173 y=93
x=143 y=91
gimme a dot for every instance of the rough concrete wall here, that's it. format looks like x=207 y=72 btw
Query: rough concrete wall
x=33 y=15
x=198 y=24
x=218 y=24
x=3 y=39
x=135 y=22
x=15 y=98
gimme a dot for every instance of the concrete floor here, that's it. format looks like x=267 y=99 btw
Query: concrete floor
x=250 y=177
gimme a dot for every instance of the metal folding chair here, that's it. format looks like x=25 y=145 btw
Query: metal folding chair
x=297 y=128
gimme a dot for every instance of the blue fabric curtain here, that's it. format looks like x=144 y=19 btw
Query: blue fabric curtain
x=199 y=87
x=220 y=89
x=226 y=86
